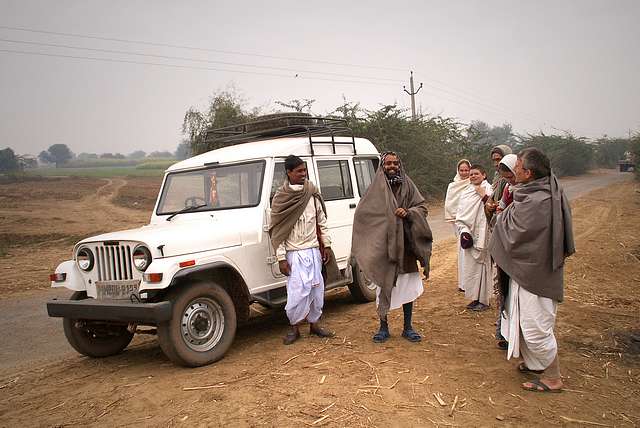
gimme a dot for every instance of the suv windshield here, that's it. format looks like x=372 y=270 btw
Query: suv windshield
x=213 y=188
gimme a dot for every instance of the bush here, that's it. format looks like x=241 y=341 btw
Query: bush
x=157 y=164
x=569 y=155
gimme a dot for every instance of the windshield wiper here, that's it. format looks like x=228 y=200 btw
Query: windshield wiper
x=185 y=210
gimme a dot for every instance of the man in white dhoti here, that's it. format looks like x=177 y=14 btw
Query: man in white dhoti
x=530 y=241
x=390 y=235
x=298 y=231
x=451 y=202
x=472 y=228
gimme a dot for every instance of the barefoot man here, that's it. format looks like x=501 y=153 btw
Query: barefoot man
x=530 y=241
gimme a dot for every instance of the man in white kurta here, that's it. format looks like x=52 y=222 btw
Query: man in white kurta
x=472 y=228
x=298 y=221
x=530 y=241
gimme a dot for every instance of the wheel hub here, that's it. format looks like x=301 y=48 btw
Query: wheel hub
x=202 y=324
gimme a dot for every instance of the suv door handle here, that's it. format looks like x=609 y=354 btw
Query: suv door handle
x=352 y=206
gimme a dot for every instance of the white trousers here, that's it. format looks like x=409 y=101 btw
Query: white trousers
x=305 y=286
x=529 y=327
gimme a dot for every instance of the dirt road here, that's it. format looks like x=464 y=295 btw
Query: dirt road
x=262 y=383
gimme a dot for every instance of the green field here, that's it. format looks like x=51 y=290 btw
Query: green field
x=102 y=172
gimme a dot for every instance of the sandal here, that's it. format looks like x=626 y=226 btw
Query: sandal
x=524 y=369
x=381 y=336
x=291 y=337
x=411 y=335
x=503 y=345
x=539 y=386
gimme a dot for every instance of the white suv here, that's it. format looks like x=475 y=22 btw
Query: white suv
x=205 y=256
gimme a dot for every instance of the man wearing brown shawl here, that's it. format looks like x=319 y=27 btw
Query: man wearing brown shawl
x=530 y=241
x=298 y=216
x=390 y=234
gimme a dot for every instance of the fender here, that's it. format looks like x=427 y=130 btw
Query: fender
x=74 y=280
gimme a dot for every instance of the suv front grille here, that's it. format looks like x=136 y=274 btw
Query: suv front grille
x=113 y=262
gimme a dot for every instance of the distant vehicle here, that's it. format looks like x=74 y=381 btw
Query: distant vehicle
x=627 y=164
x=205 y=256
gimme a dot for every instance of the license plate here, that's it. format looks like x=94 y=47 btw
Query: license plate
x=117 y=289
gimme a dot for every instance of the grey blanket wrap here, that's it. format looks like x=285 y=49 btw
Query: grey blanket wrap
x=533 y=236
x=286 y=208
x=379 y=236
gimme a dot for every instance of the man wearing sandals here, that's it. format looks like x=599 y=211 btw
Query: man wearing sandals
x=297 y=213
x=390 y=234
x=530 y=241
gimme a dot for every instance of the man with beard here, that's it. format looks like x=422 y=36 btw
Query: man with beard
x=298 y=231
x=390 y=234
x=530 y=241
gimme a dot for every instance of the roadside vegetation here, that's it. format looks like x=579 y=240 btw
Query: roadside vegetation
x=430 y=146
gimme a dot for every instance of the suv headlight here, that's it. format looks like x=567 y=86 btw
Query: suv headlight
x=141 y=258
x=85 y=259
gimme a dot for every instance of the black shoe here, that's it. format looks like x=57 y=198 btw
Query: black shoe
x=319 y=331
x=292 y=336
x=472 y=304
x=479 y=307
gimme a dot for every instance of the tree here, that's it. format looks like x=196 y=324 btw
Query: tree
x=107 y=156
x=160 y=154
x=183 y=151
x=119 y=156
x=8 y=161
x=138 y=154
x=300 y=106
x=226 y=108
x=57 y=153
x=86 y=156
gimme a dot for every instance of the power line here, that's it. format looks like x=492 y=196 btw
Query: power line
x=25 y=42
x=193 y=67
x=168 y=45
x=453 y=91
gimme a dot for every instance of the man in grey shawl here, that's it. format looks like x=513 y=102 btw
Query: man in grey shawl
x=530 y=241
x=299 y=234
x=390 y=234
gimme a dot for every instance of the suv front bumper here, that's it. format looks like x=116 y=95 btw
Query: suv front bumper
x=110 y=310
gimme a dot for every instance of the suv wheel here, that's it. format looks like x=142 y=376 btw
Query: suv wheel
x=202 y=326
x=362 y=289
x=94 y=338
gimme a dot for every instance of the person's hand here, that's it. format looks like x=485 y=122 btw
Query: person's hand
x=466 y=240
x=401 y=212
x=498 y=210
x=283 y=265
x=481 y=191
x=325 y=255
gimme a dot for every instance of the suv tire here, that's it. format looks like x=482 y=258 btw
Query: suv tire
x=97 y=343
x=362 y=289
x=202 y=325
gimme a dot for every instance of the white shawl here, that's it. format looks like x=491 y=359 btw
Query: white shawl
x=471 y=218
x=451 y=201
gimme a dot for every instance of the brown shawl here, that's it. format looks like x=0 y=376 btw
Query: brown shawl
x=286 y=208
x=533 y=236
x=379 y=236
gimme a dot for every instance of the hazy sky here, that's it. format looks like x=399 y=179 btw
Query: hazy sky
x=540 y=65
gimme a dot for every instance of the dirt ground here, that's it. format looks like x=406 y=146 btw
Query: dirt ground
x=347 y=380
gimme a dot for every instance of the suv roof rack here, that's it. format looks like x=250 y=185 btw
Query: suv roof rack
x=284 y=126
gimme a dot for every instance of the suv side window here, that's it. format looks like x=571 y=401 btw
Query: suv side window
x=365 y=172
x=335 y=179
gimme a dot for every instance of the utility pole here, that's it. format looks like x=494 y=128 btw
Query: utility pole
x=412 y=94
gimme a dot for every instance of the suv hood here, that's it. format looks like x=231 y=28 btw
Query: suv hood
x=185 y=237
